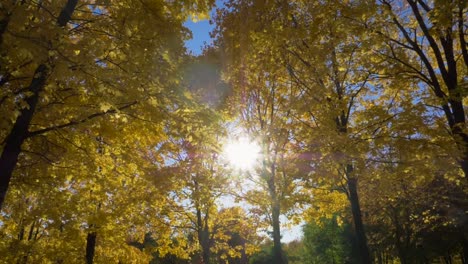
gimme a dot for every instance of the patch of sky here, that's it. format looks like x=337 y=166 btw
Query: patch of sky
x=200 y=36
x=201 y=32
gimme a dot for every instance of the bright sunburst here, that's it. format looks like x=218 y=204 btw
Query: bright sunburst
x=242 y=153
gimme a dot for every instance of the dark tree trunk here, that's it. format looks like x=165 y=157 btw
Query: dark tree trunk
x=19 y=132
x=278 y=254
x=277 y=250
x=464 y=244
x=204 y=240
x=448 y=259
x=90 y=247
x=379 y=257
x=357 y=219
x=400 y=248
x=203 y=233
x=462 y=142
x=206 y=251
x=21 y=234
x=3 y=26
x=4 y=21
x=31 y=230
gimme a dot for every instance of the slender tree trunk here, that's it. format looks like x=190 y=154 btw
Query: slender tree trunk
x=90 y=247
x=24 y=258
x=21 y=231
x=447 y=259
x=3 y=26
x=379 y=257
x=278 y=254
x=462 y=142
x=203 y=238
x=398 y=244
x=206 y=249
x=357 y=219
x=203 y=233
x=4 y=21
x=31 y=230
x=277 y=249
x=19 y=132
x=464 y=243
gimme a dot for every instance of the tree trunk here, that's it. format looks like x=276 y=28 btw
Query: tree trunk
x=203 y=234
x=90 y=247
x=357 y=219
x=19 y=132
x=6 y=14
x=462 y=142
x=21 y=230
x=277 y=250
x=401 y=238
x=464 y=243
x=379 y=257
x=206 y=250
x=203 y=238
x=278 y=255
x=3 y=26
x=448 y=259
x=399 y=246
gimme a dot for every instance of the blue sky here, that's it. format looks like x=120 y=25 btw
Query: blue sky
x=200 y=32
x=201 y=35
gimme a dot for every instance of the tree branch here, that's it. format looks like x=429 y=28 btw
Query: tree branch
x=72 y=123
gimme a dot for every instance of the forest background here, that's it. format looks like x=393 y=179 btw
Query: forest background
x=120 y=146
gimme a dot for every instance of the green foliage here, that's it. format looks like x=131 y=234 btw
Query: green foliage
x=264 y=256
x=327 y=242
x=296 y=252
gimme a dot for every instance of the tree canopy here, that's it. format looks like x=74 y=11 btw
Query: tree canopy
x=115 y=139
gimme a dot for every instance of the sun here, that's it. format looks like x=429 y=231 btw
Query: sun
x=242 y=153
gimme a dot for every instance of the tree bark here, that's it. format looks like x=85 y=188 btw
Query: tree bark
x=3 y=26
x=19 y=132
x=203 y=231
x=464 y=244
x=398 y=235
x=277 y=249
x=203 y=237
x=357 y=219
x=4 y=21
x=90 y=247
x=206 y=248
x=278 y=254
x=461 y=139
